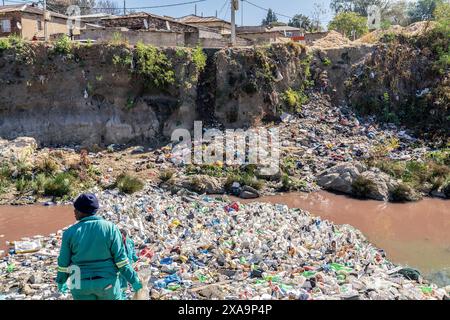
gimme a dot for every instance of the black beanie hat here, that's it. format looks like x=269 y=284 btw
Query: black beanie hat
x=86 y=203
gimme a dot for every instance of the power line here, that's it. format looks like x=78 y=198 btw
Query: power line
x=20 y=1
x=267 y=10
x=170 y=5
x=223 y=7
x=227 y=11
x=138 y=8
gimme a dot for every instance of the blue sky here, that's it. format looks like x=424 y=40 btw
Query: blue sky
x=252 y=15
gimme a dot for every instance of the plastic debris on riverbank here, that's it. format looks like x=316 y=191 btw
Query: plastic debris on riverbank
x=196 y=247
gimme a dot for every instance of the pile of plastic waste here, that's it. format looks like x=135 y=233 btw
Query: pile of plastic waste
x=198 y=247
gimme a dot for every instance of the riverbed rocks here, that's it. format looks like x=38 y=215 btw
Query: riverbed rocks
x=381 y=184
x=358 y=181
x=340 y=177
x=199 y=247
x=249 y=193
x=18 y=149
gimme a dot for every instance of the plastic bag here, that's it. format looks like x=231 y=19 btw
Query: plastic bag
x=143 y=293
x=22 y=247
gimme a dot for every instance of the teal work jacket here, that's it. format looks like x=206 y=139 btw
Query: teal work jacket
x=95 y=246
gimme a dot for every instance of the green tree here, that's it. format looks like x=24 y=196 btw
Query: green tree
x=350 y=24
x=358 y=6
x=301 y=21
x=396 y=13
x=442 y=42
x=423 y=10
x=86 y=6
x=270 y=18
x=442 y=15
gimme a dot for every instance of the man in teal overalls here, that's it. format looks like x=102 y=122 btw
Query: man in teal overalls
x=95 y=246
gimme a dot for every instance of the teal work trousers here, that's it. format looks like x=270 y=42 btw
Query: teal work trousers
x=98 y=289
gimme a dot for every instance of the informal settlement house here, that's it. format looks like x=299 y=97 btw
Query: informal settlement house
x=156 y=30
x=270 y=34
x=27 y=22
x=221 y=26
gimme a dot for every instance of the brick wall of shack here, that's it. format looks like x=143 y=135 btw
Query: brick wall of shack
x=56 y=26
x=313 y=36
x=13 y=17
x=155 y=38
x=29 y=23
x=262 y=38
x=136 y=23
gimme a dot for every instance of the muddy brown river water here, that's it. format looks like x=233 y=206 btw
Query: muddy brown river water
x=17 y=222
x=415 y=234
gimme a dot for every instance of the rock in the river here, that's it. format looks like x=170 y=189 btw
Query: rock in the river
x=249 y=193
x=340 y=177
x=356 y=180
x=381 y=184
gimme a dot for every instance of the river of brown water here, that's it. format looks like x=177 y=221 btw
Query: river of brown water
x=17 y=222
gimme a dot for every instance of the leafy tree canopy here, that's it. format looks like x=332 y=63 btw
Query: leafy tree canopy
x=350 y=24
x=301 y=21
x=270 y=18
x=423 y=10
x=358 y=6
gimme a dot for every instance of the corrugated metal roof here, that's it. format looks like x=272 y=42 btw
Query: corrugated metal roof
x=28 y=9
x=196 y=19
x=170 y=19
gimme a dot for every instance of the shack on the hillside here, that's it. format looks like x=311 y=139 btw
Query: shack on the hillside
x=27 y=22
x=156 y=30
x=270 y=34
x=220 y=25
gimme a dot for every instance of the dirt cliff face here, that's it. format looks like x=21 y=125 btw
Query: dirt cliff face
x=250 y=82
x=102 y=94
x=89 y=96
x=99 y=94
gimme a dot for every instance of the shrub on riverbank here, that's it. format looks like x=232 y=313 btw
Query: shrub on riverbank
x=166 y=175
x=128 y=184
x=402 y=193
x=47 y=177
x=362 y=187
x=47 y=165
x=59 y=186
x=244 y=179
x=289 y=183
x=422 y=176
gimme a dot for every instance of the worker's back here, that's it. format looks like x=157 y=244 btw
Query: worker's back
x=90 y=242
x=94 y=246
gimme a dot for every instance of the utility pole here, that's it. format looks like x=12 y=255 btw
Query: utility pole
x=124 y=8
x=195 y=10
x=234 y=7
x=45 y=21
